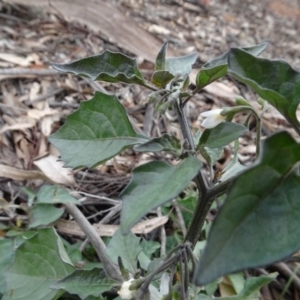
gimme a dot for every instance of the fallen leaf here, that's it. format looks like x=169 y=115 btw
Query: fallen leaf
x=20 y=175
x=144 y=227
x=53 y=168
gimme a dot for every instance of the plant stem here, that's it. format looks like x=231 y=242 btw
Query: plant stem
x=201 y=208
x=206 y=194
x=110 y=268
x=258 y=135
x=187 y=135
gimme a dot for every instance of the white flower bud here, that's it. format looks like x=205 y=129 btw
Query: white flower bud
x=213 y=118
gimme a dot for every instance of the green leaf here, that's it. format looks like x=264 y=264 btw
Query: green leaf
x=181 y=64
x=211 y=155
x=107 y=66
x=234 y=167
x=149 y=247
x=44 y=214
x=127 y=247
x=165 y=142
x=85 y=283
x=36 y=267
x=153 y=184
x=273 y=80
x=53 y=194
x=160 y=62
x=221 y=135
x=7 y=255
x=161 y=78
x=263 y=203
x=251 y=288
x=94 y=133
x=217 y=68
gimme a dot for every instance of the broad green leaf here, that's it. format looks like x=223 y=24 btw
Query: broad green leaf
x=237 y=280
x=94 y=133
x=273 y=80
x=251 y=288
x=181 y=65
x=53 y=194
x=44 y=214
x=161 y=78
x=217 y=68
x=149 y=247
x=153 y=184
x=7 y=255
x=221 y=135
x=160 y=62
x=85 y=283
x=234 y=167
x=36 y=267
x=64 y=256
x=127 y=247
x=259 y=221
x=165 y=142
x=211 y=155
x=231 y=171
x=107 y=66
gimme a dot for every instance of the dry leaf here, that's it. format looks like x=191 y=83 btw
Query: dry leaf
x=20 y=175
x=53 y=168
x=71 y=227
x=17 y=60
x=17 y=126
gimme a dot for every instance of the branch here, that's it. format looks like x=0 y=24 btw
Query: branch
x=110 y=268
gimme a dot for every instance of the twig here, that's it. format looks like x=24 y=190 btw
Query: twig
x=285 y=269
x=162 y=236
x=116 y=209
x=48 y=95
x=111 y=269
x=24 y=72
x=180 y=217
x=84 y=244
x=96 y=196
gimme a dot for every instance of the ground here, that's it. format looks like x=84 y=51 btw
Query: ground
x=35 y=99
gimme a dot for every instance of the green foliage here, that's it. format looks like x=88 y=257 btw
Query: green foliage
x=221 y=135
x=274 y=80
x=217 y=68
x=85 y=283
x=126 y=247
x=161 y=78
x=53 y=194
x=181 y=65
x=108 y=66
x=250 y=290
x=160 y=62
x=153 y=184
x=44 y=214
x=257 y=208
x=96 y=132
x=169 y=143
x=37 y=265
x=7 y=255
